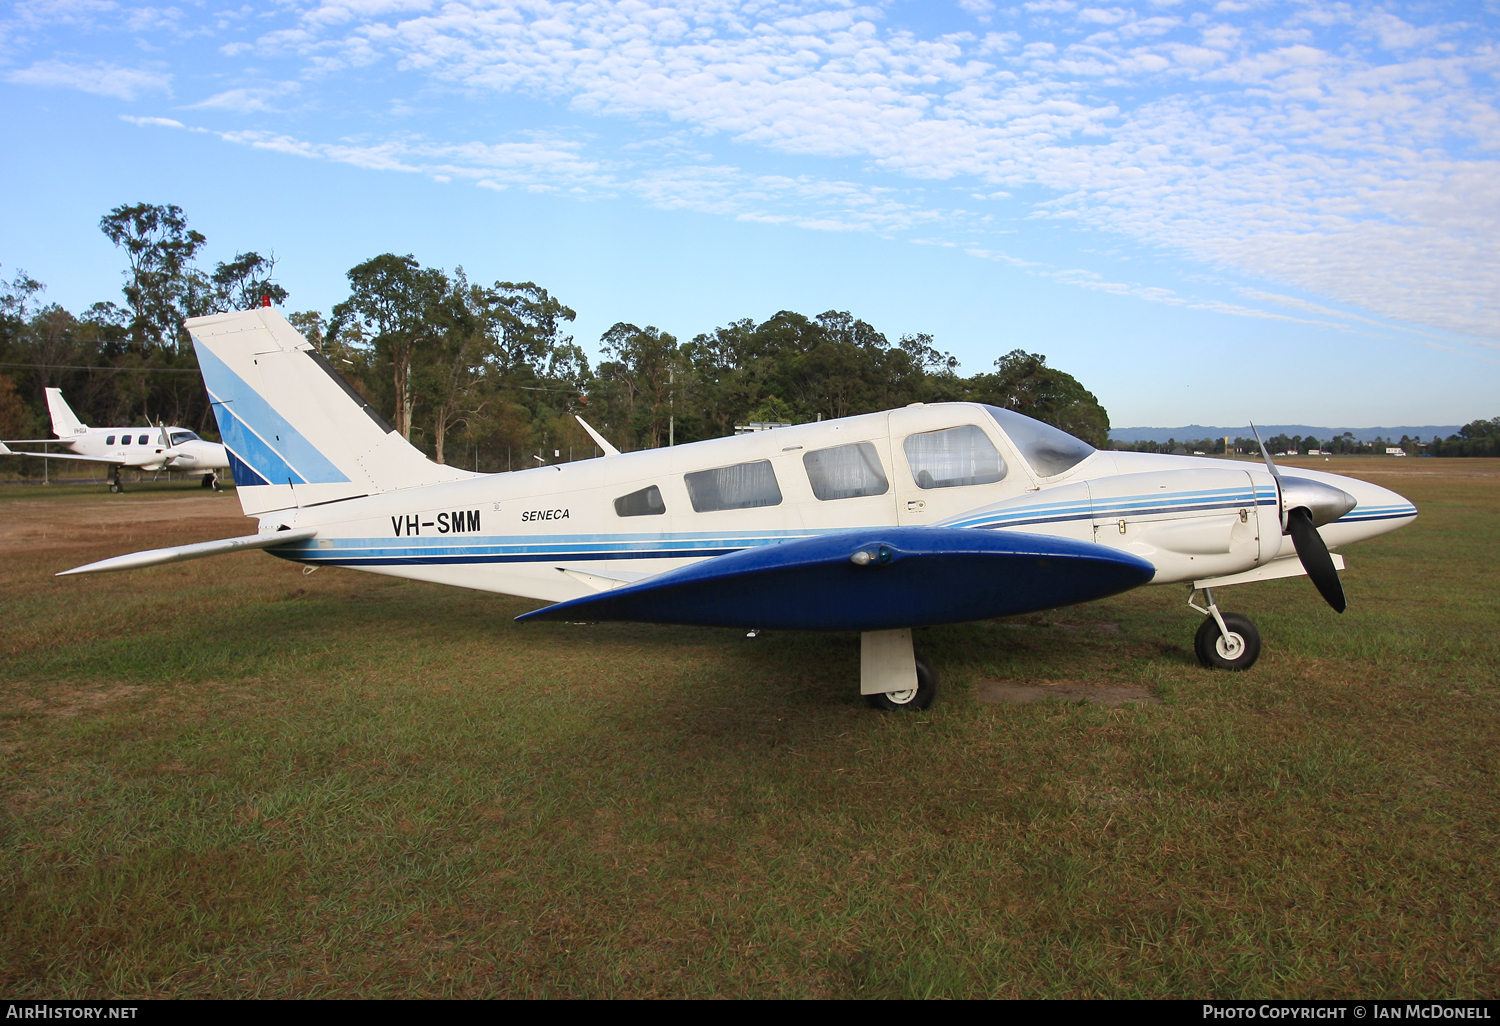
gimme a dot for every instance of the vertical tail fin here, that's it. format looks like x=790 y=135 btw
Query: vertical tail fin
x=297 y=434
x=65 y=422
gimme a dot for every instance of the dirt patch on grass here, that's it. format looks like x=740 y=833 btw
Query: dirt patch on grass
x=80 y=523
x=1009 y=692
x=68 y=702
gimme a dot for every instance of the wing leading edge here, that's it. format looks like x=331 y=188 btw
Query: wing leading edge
x=874 y=579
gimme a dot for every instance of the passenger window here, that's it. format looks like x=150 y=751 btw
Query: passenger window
x=109 y=439
x=742 y=486
x=644 y=503
x=141 y=440
x=124 y=439
x=954 y=457
x=846 y=471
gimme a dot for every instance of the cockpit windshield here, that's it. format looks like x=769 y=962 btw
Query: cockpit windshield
x=178 y=437
x=1048 y=450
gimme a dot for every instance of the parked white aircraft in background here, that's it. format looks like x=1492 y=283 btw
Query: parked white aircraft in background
x=148 y=448
x=877 y=523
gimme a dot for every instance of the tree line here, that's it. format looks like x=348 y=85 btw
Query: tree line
x=482 y=375
x=1477 y=438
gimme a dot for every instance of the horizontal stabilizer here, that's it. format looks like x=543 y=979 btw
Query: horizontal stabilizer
x=7 y=451
x=878 y=578
x=178 y=553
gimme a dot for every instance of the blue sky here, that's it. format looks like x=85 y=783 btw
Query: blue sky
x=1207 y=212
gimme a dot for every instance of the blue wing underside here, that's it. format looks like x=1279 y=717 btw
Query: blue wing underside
x=912 y=577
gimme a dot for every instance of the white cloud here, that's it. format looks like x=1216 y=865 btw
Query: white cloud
x=246 y=100
x=1296 y=161
x=1342 y=152
x=152 y=122
x=99 y=79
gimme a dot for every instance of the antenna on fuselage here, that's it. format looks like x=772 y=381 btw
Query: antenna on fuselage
x=599 y=439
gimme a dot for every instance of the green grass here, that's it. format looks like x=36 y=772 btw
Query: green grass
x=225 y=778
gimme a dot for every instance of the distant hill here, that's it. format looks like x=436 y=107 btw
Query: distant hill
x=1369 y=434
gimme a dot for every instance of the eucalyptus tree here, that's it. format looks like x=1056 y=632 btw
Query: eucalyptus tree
x=1023 y=382
x=452 y=374
x=159 y=286
x=389 y=302
x=527 y=323
x=646 y=362
x=244 y=283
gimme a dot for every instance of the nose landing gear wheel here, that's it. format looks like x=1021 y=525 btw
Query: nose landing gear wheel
x=917 y=698
x=1236 y=650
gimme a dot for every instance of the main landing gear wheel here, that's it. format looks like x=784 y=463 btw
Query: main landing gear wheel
x=917 y=698
x=1236 y=650
x=115 y=484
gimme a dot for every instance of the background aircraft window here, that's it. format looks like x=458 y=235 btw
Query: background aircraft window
x=124 y=439
x=644 y=503
x=1048 y=449
x=109 y=439
x=178 y=437
x=741 y=486
x=846 y=471
x=954 y=457
x=142 y=440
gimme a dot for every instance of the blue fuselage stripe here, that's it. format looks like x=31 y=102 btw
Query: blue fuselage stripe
x=700 y=545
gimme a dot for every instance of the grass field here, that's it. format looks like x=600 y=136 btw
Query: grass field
x=227 y=778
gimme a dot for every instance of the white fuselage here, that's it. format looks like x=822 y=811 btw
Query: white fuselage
x=557 y=532
x=145 y=448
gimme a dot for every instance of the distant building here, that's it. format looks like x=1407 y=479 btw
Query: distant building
x=1394 y=451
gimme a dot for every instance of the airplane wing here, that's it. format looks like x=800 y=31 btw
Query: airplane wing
x=178 y=553
x=6 y=450
x=877 y=578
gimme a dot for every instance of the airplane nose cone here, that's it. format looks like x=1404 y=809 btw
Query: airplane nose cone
x=1325 y=502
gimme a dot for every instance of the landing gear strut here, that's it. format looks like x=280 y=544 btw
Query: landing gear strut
x=1225 y=641
x=211 y=480
x=891 y=676
x=115 y=484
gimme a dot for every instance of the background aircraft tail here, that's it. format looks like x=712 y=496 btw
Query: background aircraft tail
x=296 y=432
x=65 y=422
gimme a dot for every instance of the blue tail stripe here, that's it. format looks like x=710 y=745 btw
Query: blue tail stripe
x=266 y=441
x=244 y=476
x=258 y=457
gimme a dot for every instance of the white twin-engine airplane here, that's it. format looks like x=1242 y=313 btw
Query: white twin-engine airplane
x=154 y=449
x=877 y=523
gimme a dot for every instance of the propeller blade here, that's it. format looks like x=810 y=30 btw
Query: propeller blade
x=1315 y=558
x=1265 y=454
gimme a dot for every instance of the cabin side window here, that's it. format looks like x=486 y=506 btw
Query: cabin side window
x=954 y=457
x=178 y=437
x=109 y=439
x=142 y=440
x=124 y=439
x=644 y=503
x=742 y=486
x=846 y=471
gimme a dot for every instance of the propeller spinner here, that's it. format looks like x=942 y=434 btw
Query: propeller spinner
x=1305 y=506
